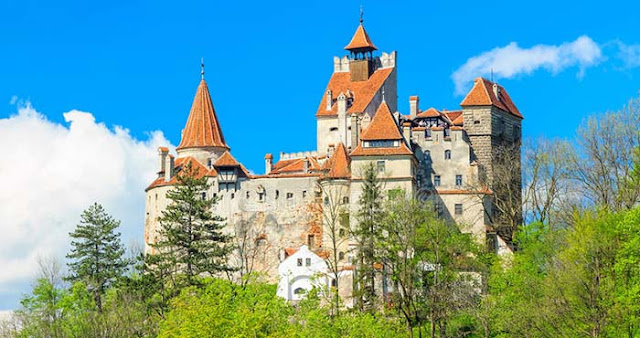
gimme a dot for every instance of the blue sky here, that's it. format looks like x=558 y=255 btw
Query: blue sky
x=135 y=64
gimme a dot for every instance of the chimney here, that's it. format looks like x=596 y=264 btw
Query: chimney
x=305 y=165
x=268 y=163
x=406 y=132
x=342 y=104
x=162 y=155
x=354 y=132
x=496 y=91
x=329 y=100
x=413 y=106
x=168 y=168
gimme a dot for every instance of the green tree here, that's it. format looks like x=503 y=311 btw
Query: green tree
x=191 y=240
x=365 y=232
x=96 y=253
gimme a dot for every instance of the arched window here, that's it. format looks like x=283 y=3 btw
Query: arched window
x=299 y=291
x=447 y=154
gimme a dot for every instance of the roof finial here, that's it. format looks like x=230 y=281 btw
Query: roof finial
x=361 y=14
x=491 y=74
x=383 y=100
x=202 y=68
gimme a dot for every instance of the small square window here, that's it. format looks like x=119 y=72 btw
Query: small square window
x=381 y=167
x=233 y=195
x=299 y=261
x=204 y=196
x=289 y=195
x=436 y=180
x=458 y=209
x=458 y=180
x=345 y=200
x=308 y=262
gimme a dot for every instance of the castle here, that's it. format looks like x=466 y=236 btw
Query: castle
x=437 y=155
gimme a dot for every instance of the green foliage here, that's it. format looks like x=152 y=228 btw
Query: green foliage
x=96 y=253
x=223 y=309
x=191 y=243
x=367 y=229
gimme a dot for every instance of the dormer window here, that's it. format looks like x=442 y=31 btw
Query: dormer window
x=381 y=143
x=227 y=174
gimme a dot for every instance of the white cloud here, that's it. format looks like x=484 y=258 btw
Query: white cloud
x=629 y=54
x=512 y=60
x=51 y=172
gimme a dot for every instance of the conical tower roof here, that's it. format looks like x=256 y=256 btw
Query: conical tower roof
x=202 y=129
x=360 y=41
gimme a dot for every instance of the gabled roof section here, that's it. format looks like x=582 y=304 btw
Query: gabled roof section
x=363 y=91
x=383 y=126
x=226 y=160
x=202 y=129
x=179 y=164
x=338 y=165
x=360 y=40
x=455 y=117
x=482 y=95
x=431 y=112
x=371 y=151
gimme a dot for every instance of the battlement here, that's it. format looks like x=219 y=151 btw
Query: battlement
x=386 y=60
x=300 y=154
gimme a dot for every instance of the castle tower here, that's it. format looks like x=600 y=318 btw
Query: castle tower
x=355 y=89
x=493 y=125
x=202 y=137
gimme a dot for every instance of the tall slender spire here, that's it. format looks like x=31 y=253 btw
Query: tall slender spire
x=202 y=68
x=202 y=129
x=360 y=42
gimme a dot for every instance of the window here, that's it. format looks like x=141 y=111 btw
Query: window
x=204 y=196
x=210 y=163
x=458 y=209
x=447 y=154
x=261 y=196
x=427 y=155
x=277 y=194
x=340 y=255
x=380 y=144
x=436 y=180
x=381 y=167
x=334 y=283
x=447 y=132
x=308 y=262
x=311 y=241
x=233 y=195
x=341 y=232
x=458 y=180
x=299 y=261
x=439 y=208
x=299 y=291
x=326 y=200
x=427 y=133
x=289 y=195
x=304 y=193
x=345 y=200
x=333 y=129
x=248 y=194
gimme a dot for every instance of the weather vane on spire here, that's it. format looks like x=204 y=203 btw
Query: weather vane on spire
x=202 y=68
x=361 y=13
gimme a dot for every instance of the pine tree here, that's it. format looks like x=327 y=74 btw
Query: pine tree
x=366 y=232
x=96 y=253
x=191 y=242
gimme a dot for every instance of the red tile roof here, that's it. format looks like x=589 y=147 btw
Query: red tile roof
x=182 y=161
x=363 y=91
x=360 y=40
x=295 y=165
x=431 y=112
x=338 y=165
x=383 y=126
x=455 y=117
x=482 y=95
x=370 y=151
x=226 y=160
x=202 y=128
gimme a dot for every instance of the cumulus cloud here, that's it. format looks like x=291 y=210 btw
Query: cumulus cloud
x=50 y=173
x=512 y=60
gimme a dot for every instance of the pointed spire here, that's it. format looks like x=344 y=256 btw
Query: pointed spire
x=202 y=129
x=202 y=68
x=360 y=42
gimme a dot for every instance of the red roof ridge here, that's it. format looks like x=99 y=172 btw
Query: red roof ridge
x=360 y=40
x=202 y=128
x=481 y=94
x=383 y=126
x=338 y=165
x=226 y=160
